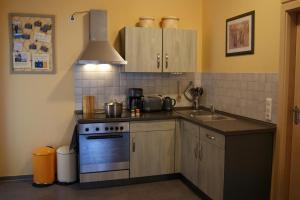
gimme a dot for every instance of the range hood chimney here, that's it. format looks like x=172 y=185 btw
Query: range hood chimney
x=99 y=50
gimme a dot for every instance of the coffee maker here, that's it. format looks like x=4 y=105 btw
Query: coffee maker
x=135 y=98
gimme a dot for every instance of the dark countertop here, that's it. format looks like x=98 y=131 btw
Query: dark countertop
x=101 y=117
x=240 y=125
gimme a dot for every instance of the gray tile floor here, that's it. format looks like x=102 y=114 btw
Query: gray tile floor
x=165 y=190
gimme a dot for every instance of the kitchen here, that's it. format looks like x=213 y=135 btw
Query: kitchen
x=45 y=116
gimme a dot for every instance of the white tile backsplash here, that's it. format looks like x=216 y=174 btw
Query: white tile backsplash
x=242 y=94
x=238 y=93
x=109 y=85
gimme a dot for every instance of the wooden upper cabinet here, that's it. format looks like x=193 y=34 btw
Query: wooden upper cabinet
x=179 y=50
x=142 y=49
x=159 y=50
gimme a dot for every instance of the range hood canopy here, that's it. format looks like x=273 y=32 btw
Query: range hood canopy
x=99 y=50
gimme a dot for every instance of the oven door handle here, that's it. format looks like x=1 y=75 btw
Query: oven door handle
x=102 y=137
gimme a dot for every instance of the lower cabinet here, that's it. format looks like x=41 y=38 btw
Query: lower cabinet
x=152 y=148
x=189 y=154
x=234 y=167
x=211 y=164
x=202 y=160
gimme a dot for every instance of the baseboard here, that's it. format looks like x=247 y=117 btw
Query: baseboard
x=194 y=188
x=131 y=181
x=17 y=178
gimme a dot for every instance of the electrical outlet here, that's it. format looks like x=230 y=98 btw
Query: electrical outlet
x=268 y=114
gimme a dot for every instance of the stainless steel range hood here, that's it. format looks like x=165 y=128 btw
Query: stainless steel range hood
x=99 y=50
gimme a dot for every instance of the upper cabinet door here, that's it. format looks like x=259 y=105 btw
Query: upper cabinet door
x=143 y=48
x=179 y=50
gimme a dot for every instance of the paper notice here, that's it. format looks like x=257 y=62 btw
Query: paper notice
x=42 y=37
x=17 y=29
x=18 y=46
x=40 y=61
x=21 y=60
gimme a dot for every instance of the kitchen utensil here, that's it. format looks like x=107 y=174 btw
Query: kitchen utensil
x=152 y=103
x=168 y=103
x=134 y=99
x=193 y=92
x=88 y=104
x=113 y=109
x=199 y=91
x=178 y=91
x=170 y=22
x=187 y=92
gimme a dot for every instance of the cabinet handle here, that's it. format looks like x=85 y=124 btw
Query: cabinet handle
x=201 y=152
x=210 y=137
x=158 y=60
x=296 y=111
x=133 y=145
x=167 y=61
x=196 y=151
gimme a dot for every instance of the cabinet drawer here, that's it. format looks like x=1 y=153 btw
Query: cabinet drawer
x=212 y=137
x=104 y=176
x=152 y=126
x=189 y=126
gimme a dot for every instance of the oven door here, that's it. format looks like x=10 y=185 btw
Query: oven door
x=103 y=152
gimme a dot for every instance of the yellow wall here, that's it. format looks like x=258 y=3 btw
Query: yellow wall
x=265 y=59
x=38 y=109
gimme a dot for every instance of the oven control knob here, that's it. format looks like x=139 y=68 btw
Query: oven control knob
x=111 y=128
x=117 y=128
x=106 y=128
x=121 y=128
x=87 y=129
x=97 y=129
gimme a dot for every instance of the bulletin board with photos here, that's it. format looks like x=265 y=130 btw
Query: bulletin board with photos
x=32 y=43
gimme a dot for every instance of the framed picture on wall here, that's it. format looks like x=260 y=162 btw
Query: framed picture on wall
x=240 y=34
x=32 y=43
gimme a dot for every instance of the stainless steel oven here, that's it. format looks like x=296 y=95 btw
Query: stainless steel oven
x=103 y=148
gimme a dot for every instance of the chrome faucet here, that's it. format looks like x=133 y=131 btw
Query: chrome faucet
x=196 y=103
x=212 y=109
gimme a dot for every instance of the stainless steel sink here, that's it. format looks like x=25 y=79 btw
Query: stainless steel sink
x=204 y=115
x=199 y=112
x=192 y=113
x=213 y=117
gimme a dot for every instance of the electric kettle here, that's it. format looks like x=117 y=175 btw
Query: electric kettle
x=168 y=103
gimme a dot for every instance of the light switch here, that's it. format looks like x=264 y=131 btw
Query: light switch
x=268 y=114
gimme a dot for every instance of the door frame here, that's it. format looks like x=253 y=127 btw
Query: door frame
x=282 y=156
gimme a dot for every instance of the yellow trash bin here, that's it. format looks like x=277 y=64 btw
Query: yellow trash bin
x=44 y=165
